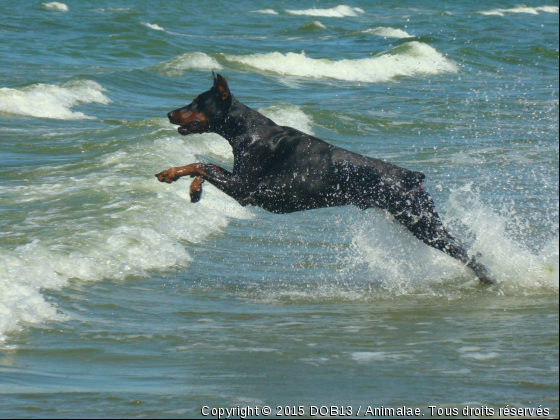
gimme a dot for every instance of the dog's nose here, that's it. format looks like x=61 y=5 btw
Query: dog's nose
x=170 y=115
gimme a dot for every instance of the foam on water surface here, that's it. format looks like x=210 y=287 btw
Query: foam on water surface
x=521 y=10
x=379 y=356
x=338 y=11
x=55 y=5
x=153 y=26
x=265 y=11
x=52 y=101
x=388 y=32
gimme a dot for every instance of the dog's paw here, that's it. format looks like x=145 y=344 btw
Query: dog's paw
x=167 y=176
x=196 y=190
x=196 y=196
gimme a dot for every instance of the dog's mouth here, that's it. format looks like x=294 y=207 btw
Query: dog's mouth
x=190 y=128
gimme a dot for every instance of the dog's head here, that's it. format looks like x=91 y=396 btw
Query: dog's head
x=206 y=111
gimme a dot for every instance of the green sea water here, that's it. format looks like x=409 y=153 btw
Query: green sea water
x=120 y=298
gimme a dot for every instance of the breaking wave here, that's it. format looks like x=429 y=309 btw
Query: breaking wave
x=338 y=11
x=521 y=9
x=55 y=5
x=388 y=32
x=289 y=115
x=410 y=59
x=177 y=66
x=52 y=101
x=153 y=26
x=266 y=11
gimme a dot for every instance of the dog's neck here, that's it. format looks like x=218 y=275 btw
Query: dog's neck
x=241 y=125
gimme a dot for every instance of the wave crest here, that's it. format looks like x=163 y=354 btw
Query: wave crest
x=52 y=101
x=409 y=59
x=338 y=11
x=265 y=11
x=177 y=66
x=521 y=9
x=153 y=26
x=290 y=116
x=388 y=32
x=55 y=5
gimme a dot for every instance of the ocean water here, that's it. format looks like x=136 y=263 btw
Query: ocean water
x=120 y=298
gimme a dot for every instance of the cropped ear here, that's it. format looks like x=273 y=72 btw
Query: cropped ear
x=222 y=86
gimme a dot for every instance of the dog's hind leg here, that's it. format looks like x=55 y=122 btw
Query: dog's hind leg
x=416 y=210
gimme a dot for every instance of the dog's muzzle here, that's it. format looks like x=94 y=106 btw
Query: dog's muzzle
x=188 y=122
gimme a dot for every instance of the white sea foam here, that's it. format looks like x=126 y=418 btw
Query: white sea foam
x=266 y=11
x=410 y=59
x=378 y=356
x=115 y=10
x=338 y=11
x=52 y=101
x=153 y=26
x=388 y=32
x=521 y=9
x=177 y=66
x=289 y=115
x=144 y=225
x=479 y=356
x=55 y=5
x=469 y=349
x=315 y=24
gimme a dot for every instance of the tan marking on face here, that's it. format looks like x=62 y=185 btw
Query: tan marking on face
x=187 y=118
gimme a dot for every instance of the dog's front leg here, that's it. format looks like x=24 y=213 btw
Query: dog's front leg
x=219 y=177
x=177 y=172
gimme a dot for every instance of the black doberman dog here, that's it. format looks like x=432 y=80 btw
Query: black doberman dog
x=284 y=170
